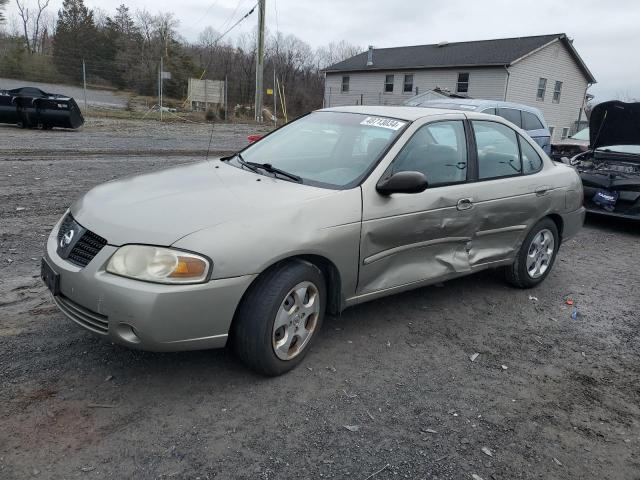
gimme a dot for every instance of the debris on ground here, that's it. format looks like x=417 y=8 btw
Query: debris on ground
x=487 y=451
x=377 y=472
x=476 y=477
x=350 y=395
x=473 y=357
x=428 y=430
x=532 y=298
x=557 y=462
x=574 y=313
x=352 y=428
x=569 y=301
x=504 y=367
x=19 y=209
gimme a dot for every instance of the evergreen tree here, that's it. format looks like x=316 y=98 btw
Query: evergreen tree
x=77 y=38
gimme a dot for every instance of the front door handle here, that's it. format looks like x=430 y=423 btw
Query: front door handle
x=464 y=204
x=542 y=190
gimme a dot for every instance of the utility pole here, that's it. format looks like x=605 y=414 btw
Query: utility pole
x=275 y=104
x=84 y=83
x=160 y=86
x=260 y=61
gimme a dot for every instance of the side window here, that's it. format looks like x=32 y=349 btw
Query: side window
x=345 y=84
x=531 y=161
x=490 y=111
x=512 y=115
x=498 y=152
x=530 y=122
x=439 y=150
x=388 y=83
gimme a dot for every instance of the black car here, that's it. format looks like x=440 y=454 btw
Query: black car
x=610 y=168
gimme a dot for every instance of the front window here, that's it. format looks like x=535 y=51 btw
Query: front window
x=408 y=84
x=463 y=83
x=327 y=149
x=542 y=88
x=439 y=150
x=388 y=83
x=557 y=89
x=345 y=84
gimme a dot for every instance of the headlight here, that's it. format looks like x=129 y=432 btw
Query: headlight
x=158 y=264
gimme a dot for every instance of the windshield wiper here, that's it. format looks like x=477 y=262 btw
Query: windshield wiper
x=267 y=167
x=277 y=171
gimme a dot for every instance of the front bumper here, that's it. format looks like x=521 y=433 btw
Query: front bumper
x=145 y=315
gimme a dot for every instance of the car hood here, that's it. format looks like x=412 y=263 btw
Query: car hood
x=161 y=207
x=614 y=123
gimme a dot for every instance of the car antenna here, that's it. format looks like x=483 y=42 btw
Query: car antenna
x=210 y=138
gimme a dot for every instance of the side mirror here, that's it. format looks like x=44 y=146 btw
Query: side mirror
x=402 y=182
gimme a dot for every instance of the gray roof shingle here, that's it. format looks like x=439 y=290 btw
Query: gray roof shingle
x=497 y=52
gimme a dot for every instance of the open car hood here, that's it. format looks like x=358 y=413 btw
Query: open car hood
x=614 y=123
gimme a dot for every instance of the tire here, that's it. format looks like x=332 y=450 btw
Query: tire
x=526 y=271
x=279 y=317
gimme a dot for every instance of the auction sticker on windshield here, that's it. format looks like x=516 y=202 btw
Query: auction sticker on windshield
x=382 y=122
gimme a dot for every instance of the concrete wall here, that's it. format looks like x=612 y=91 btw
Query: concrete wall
x=368 y=87
x=553 y=62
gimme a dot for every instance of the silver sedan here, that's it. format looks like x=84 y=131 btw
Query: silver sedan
x=339 y=207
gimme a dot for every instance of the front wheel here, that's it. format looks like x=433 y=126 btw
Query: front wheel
x=536 y=255
x=279 y=317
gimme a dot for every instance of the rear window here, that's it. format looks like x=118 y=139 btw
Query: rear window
x=531 y=122
x=511 y=114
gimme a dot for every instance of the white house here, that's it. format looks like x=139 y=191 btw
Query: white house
x=542 y=71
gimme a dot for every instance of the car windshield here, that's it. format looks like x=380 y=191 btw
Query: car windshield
x=581 y=135
x=327 y=149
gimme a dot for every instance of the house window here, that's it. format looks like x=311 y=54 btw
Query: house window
x=345 y=84
x=557 y=89
x=542 y=88
x=551 y=129
x=565 y=133
x=463 y=83
x=388 y=83
x=408 y=84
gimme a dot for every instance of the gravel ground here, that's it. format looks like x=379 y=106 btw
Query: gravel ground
x=102 y=98
x=395 y=371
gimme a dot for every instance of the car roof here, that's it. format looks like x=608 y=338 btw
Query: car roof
x=399 y=112
x=479 y=103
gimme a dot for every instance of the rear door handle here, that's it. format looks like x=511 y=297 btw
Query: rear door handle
x=543 y=190
x=464 y=204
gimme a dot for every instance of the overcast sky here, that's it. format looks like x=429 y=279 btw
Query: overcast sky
x=606 y=34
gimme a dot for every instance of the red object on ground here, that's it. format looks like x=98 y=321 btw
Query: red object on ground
x=254 y=138
x=569 y=301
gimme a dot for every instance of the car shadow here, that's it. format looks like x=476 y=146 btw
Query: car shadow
x=622 y=225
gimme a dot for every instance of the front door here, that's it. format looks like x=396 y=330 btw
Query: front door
x=411 y=238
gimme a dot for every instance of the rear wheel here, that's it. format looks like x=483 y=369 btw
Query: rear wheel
x=536 y=255
x=279 y=317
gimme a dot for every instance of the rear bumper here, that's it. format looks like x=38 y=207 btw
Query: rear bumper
x=572 y=222
x=144 y=315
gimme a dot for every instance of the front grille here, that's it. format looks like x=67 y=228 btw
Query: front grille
x=85 y=248
x=86 y=318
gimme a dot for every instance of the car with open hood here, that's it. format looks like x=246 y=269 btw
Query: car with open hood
x=610 y=167
x=339 y=207
x=571 y=146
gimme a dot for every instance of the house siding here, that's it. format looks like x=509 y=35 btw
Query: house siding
x=368 y=87
x=555 y=63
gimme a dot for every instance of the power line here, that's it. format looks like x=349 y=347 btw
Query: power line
x=246 y=15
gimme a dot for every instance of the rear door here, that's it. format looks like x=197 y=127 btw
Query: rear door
x=508 y=196
x=412 y=238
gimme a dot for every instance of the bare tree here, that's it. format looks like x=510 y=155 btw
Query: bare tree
x=31 y=25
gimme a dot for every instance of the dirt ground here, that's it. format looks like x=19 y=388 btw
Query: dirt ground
x=547 y=397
